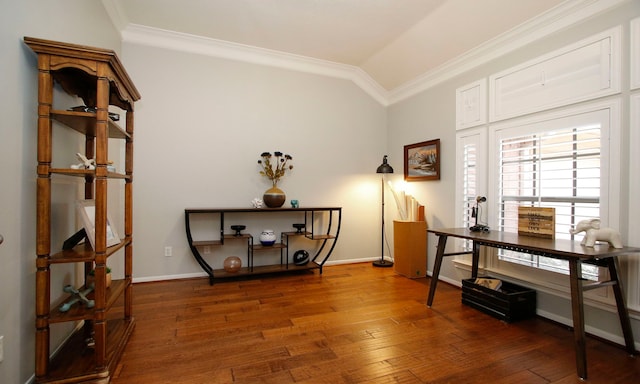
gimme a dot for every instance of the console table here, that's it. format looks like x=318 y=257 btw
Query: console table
x=573 y=252
x=321 y=224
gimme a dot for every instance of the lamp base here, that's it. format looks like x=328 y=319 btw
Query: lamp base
x=382 y=263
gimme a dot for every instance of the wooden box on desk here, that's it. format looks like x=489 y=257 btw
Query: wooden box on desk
x=410 y=248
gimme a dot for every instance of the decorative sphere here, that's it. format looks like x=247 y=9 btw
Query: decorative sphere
x=232 y=264
x=301 y=257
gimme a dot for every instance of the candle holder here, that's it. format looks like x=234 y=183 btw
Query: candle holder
x=299 y=227
x=238 y=229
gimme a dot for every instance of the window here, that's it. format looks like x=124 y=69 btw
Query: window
x=471 y=176
x=557 y=162
x=469 y=180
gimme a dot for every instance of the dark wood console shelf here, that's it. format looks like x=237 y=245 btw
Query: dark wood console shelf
x=326 y=234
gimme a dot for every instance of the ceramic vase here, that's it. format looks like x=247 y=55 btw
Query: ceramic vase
x=274 y=197
x=268 y=237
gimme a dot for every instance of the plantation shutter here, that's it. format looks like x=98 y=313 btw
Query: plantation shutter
x=551 y=164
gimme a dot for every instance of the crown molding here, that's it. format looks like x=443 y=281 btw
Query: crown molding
x=139 y=34
x=561 y=17
x=116 y=14
x=556 y=19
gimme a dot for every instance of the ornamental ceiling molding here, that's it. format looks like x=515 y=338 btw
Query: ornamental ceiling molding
x=554 y=20
x=558 y=18
x=139 y=34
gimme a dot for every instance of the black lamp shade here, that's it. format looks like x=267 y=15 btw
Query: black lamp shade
x=384 y=167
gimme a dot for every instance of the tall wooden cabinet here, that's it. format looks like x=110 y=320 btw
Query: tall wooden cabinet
x=98 y=78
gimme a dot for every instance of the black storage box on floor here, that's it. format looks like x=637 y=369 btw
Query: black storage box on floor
x=509 y=303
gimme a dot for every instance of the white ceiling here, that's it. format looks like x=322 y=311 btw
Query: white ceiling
x=394 y=41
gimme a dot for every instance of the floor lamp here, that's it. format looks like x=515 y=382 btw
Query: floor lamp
x=383 y=168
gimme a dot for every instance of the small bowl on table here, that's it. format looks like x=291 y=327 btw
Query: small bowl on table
x=238 y=229
x=299 y=227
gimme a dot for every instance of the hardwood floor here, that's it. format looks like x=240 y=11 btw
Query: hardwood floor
x=352 y=324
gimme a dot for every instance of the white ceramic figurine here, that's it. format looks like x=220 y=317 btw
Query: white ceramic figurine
x=86 y=163
x=593 y=233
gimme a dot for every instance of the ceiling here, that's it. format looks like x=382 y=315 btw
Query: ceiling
x=393 y=41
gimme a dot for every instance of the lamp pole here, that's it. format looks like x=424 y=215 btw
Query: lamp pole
x=383 y=168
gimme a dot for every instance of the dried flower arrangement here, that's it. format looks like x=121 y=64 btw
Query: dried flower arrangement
x=280 y=163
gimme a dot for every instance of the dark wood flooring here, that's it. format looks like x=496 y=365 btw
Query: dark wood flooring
x=352 y=324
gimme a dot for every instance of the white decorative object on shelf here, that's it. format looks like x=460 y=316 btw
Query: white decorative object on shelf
x=257 y=203
x=594 y=233
x=86 y=163
x=89 y=163
x=268 y=237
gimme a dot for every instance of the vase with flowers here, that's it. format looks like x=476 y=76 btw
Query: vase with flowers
x=274 y=167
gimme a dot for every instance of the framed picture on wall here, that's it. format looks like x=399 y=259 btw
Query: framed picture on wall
x=422 y=161
x=87 y=211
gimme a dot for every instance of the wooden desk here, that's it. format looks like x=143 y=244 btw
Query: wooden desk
x=572 y=251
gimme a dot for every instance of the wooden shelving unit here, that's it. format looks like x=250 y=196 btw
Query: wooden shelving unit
x=325 y=236
x=98 y=78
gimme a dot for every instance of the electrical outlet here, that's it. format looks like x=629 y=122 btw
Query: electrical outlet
x=168 y=251
x=1 y=348
x=206 y=250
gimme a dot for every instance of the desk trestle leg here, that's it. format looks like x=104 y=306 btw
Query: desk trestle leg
x=618 y=292
x=442 y=242
x=577 y=310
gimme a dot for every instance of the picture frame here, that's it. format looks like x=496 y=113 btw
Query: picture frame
x=422 y=161
x=87 y=211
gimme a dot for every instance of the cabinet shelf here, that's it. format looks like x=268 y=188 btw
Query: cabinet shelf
x=85 y=123
x=83 y=253
x=206 y=243
x=234 y=236
x=86 y=173
x=320 y=237
x=310 y=235
x=81 y=312
x=265 y=269
x=296 y=233
x=98 y=78
x=260 y=247
x=75 y=362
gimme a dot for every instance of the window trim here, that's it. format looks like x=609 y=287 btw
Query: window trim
x=633 y=264
x=481 y=140
x=479 y=135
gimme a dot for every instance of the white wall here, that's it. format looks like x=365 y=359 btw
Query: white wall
x=75 y=21
x=201 y=126
x=431 y=115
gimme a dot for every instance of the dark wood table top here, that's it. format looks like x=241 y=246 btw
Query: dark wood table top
x=556 y=248
x=252 y=210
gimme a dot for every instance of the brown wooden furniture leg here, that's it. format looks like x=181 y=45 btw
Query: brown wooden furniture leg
x=577 y=310
x=623 y=314
x=442 y=242
x=475 y=259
